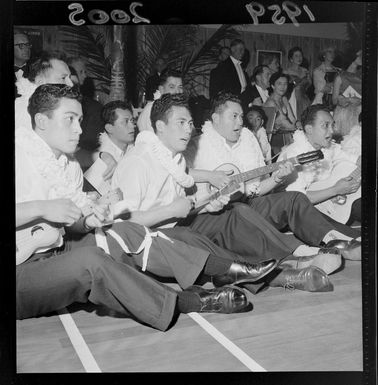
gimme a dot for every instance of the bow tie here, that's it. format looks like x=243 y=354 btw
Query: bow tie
x=16 y=68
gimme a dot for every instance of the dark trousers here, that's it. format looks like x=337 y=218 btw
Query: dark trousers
x=293 y=211
x=81 y=271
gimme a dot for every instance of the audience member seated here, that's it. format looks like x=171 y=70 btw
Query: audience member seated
x=285 y=122
x=22 y=51
x=170 y=83
x=300 y=81
x=272 y=62
x=323 y=78
x=257 y=93
x=347 y=93
x=119 y=135
x=325 y=181
x=255 y=119
x=75 y=267
x=153 y=81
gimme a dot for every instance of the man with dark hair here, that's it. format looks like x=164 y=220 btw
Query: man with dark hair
x=157 y=198
x=170 y=82
x=119 y=135
x=224 y=141
x=73 y=266
x=320 y=182
x=231 y=77
x=257 y=93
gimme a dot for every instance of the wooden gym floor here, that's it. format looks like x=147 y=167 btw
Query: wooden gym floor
x=285 y=331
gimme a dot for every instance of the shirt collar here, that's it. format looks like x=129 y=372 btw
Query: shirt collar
x=235 y=61
x=106 y=140
x=260 y=89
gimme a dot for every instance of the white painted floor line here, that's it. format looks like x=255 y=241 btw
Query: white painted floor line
x=252 y=365
x=78 y=342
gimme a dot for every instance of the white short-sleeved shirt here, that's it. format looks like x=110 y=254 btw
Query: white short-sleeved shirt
x=210 y=150
x=107 y=145
x=310 y=173
x=144 y=182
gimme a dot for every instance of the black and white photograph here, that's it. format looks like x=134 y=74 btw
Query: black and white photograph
x=194 y=189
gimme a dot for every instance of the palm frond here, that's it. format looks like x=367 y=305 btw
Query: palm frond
x=77 y=40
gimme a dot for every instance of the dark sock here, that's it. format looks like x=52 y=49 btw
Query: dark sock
x=188 y=302
x=216 y=265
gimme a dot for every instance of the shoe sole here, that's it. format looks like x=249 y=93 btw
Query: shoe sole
x=326 y=262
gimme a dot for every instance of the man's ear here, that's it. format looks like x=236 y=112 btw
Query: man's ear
x=109 y=128
x=39 y=80
x=41 y=120
x=215 y=118
x=307 y=129
x=160 y=125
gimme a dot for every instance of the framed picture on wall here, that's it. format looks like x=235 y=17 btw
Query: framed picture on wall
x=267 y=57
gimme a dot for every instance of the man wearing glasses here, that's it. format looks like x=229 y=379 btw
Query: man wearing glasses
x=318 y=128
x=22 y=51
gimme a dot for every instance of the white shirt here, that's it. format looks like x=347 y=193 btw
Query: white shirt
x=264 y=143
x=144 y=182
x=310 y=173
x=107 y=145
x=210 y=150
x=352 y=142
x=239 y=70
x=30 y=184
x=144 y=119
x=263 y=93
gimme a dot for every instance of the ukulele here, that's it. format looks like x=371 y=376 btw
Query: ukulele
x=241 y=177
x=339 y=207
x=42 y=236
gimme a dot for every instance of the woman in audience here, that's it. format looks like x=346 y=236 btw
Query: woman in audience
x=272 y=62
x=323 y=77
x=285 y=119
x=347 y=91
x=300 y=80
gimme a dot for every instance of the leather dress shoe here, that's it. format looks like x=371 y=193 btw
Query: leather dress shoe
x=227 y=299
x=328 y=262
x=348 y=249
x=244 y=272
x=309 y=279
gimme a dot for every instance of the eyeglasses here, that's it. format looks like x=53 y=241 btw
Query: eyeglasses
x=23 y=45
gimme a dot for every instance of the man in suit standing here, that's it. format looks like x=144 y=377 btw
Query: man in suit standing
x=231 y=77
x=224 y=54
x=152 y=82
x=256 y=94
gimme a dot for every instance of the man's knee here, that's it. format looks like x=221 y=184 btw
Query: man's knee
x=90 y=257
x=241 y=209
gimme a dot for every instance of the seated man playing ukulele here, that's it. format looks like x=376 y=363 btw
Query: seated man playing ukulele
x=225 y=140
x=153 y=179
x=89 y=263
x=337 y=177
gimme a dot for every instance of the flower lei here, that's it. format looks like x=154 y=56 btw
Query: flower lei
x=219 y=151
x=164 y=156
x=53 y=170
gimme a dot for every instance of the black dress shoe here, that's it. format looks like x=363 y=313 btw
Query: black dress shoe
x=348 y=249
x=227 y=299
x=308 y=279
x=244 y=272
